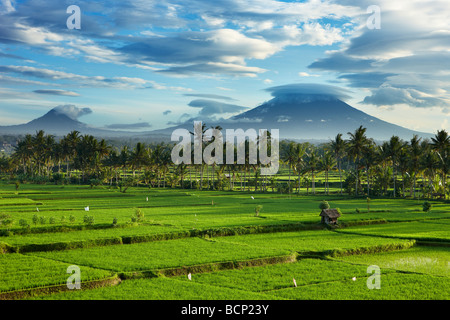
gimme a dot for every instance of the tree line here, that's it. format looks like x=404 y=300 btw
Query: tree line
x=358 y=165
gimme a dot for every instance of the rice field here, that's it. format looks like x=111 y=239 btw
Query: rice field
x=143 y=244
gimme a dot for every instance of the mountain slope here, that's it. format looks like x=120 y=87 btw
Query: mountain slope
x=309 y=117
x=300 y=117
x=59 y=124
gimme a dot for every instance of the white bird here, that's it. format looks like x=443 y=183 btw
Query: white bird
x=189 y=276
x=253 y=198
x=86 y=208
x=37 y=209
x=295 y=283
x=146 y=199
x=354 y=278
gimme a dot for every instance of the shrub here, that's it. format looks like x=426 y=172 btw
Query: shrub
x=257 y=210
x=72 y=219
x=58 y=178
x=52 y=220
x=114 y=223
x=42 y=220
x=426 y=207
x=139 y=215
x=5 y=220
x=35 y=219
x=6 y=233
x=324 y=205
x=88 y=220
x=357 y=210
x=23 y=223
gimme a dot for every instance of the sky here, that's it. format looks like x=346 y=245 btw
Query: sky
x=145 y=65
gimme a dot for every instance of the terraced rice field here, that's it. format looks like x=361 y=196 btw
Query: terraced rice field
x=143 y=244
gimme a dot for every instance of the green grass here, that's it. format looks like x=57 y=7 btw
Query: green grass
x=24 y=272
x=160 y=289
x=420 y=230
x=428 y=260
x=280 y=276
x=318 y=241
x=161 y=254
x=315 y=279
x=394 y=286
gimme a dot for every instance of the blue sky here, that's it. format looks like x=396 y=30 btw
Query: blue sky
x=145 y=65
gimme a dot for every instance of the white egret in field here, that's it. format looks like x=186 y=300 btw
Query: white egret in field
x=253 y=198
x=146 y=199
x=37 y=209
x=295 y=282
x=86 y=208
x=354 y=278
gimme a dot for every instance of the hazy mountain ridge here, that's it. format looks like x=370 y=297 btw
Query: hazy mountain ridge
x=297 y=116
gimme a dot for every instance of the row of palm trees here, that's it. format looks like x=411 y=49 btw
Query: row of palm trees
x=363 y=166
x=381 y=162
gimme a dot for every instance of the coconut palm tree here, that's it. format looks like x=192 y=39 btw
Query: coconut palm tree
x=327 y=163
x=395 y=147
x=338 y=146
x=415 y=153
x=440 y=143
x=312 y=165
x=369 y=160
x=299 y=161
x=356 y=145
x=289 y=158
x=23 y=154
x=69 y=143
x=139 y=157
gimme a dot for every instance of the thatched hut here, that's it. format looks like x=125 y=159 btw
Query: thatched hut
x=329 y=216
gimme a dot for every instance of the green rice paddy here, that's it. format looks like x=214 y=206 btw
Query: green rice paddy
x=215 y=236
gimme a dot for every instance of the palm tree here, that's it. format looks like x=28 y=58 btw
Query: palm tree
x=369 y=159
x=429 y=165
x=338 y=146
x=69 y=143
x=312 y=165
x=139 y=157
x=88 y=156
x=327 y=163
x=355 y=148
x=23 y=153
x=123 y=159
x=440 y=143
x=289 y=158
x=39 y=145
x=395 y=147
x=299 y=163
x=415 y=153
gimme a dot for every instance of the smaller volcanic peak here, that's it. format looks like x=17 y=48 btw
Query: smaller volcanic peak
x=54 y=119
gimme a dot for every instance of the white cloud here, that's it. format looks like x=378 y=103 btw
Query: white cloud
x=306 y=74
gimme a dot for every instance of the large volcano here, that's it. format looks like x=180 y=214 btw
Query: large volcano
x=308 y=112
x=309 y=117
